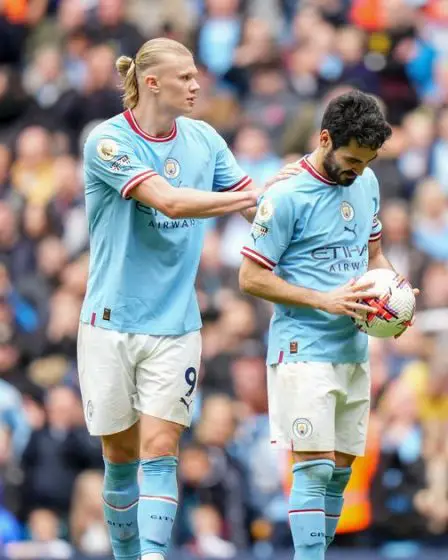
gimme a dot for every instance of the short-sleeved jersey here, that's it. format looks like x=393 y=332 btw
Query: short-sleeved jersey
x=315 y=234
x=143 y=264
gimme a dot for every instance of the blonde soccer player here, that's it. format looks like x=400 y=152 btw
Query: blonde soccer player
x=151 y=175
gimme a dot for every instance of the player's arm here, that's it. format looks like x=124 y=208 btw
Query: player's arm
x=377 y=259
x=271 y=234
x=259 y=281
x=190 y=203
x=113 y=162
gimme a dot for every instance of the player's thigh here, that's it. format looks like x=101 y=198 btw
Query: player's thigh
x=352 y=415
x=107 y=380
x=302 y=402
x=167 y=378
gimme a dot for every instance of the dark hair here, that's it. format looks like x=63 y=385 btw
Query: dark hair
x=356 y=115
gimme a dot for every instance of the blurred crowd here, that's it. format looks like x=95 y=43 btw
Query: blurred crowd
x=267 y=70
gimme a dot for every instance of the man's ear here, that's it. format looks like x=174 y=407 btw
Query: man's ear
x=152 y=83
x=325 y=140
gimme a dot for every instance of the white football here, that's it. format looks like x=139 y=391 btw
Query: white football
x=396 y=304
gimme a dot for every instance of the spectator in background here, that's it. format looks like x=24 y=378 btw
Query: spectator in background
x=418 y=131
x=254 y=153
x=45 y=80
x=87 y=527
x=266 y=497
x=47 y=462
x=44 y=530
x=392 y=182
x=397 y=242
x=99 y=98
x=109 y=26
x=271 y=103
x=440 y=151
x=430 y=224
x=400 y=471
x=32 y=174
x=16 y=252
x=13 y=419
x=219 y=35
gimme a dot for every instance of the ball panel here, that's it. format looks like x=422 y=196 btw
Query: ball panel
x=395 y=305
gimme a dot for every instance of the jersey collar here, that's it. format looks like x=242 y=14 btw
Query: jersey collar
x=129 y=116
x=308 y=166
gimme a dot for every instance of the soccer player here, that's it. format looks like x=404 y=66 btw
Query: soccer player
x=312 y=234
x=151 y=175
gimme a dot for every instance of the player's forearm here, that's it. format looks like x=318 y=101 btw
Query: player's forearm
x=268 y=286
x=190 y=203
x=379 y=261
x=198 y=204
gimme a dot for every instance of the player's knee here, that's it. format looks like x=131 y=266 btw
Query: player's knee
x=319 y=471
x=343 y=460
x=123 y=447
x=302 y=456
x=161 y=444
x=119 y=452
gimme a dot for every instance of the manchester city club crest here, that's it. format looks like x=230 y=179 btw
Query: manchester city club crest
x=347 y=211
x=265 y=211
x=171 y=168
x=107 y=149
x=89 y=411
x=302 y=428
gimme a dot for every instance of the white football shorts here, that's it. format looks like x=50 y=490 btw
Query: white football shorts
x=124 y=375
x=319 y=406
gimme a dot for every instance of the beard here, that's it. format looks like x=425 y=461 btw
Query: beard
x=336 y=173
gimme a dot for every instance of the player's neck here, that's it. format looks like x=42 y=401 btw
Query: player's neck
x=152 y=122
x=316 y=159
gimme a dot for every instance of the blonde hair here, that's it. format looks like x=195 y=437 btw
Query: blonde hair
x=150 y=54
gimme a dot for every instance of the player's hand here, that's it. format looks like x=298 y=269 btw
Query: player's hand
x=285 y=172
x=412 y=321
x=255 y=194
x=345 y=300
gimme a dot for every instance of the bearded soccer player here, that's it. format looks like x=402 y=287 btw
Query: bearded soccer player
x=151 y=174
x=312 y=234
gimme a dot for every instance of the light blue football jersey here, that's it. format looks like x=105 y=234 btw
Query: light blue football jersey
x=315 y=234
x=143 y=264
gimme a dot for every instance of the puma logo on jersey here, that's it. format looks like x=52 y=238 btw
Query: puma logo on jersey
x=352 y=231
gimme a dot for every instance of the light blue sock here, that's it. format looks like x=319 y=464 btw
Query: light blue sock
x=120 y=502
x=334 y=500
x=307 y=508
x=158 y=504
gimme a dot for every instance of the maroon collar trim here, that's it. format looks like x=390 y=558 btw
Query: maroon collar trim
x=129 y=116
x=308 y=166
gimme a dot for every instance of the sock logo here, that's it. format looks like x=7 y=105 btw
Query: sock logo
x=162 y=518
x=317 y=534
x=302 y=428
x=125 y=533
